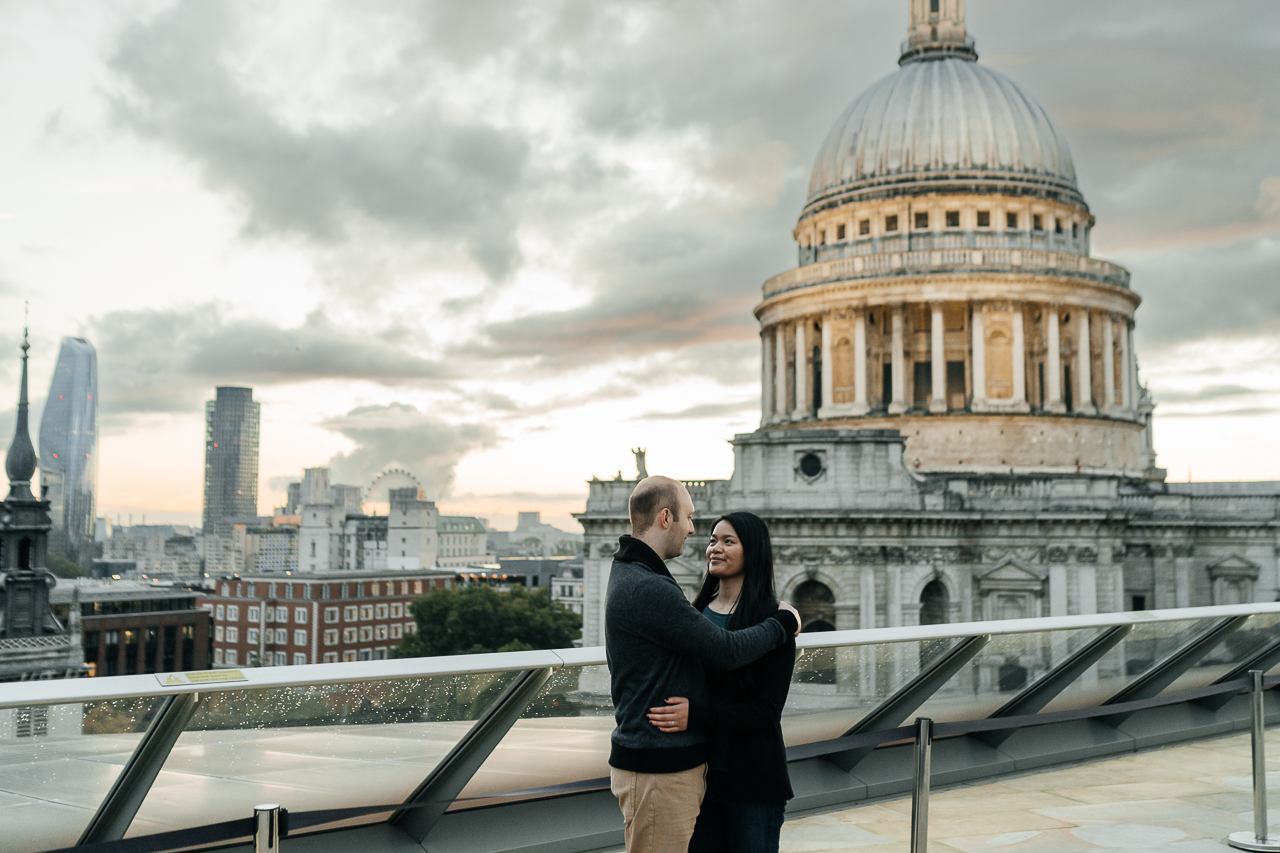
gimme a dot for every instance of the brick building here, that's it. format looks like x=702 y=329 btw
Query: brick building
x=132 y=627
x=316 y=618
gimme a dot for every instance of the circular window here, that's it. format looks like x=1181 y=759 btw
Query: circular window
x=810 y=465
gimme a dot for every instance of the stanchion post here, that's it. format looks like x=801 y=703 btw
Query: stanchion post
x=920 y=790
x=1257 y=840
x=266 y=828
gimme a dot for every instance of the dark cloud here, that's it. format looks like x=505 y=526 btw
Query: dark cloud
x=703 y=410
x=1227 y=413
x=1209 y=392
x=411 y=169
x=1169 y=107
x=168 y=360
x=401 y=436
x=1209 y=291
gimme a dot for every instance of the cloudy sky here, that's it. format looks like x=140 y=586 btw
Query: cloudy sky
x=500 y=244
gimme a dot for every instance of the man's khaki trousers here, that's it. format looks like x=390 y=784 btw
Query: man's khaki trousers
x=659 y=809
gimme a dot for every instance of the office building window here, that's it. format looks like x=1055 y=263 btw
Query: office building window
x=282 y=614
x=233 y=613
x=330 y=657
x=396 y=632
x=251 y=636
x=351 y=655
x=300 y=615
x=282 y=658
x=331 y=637
x=299 y=658
x=220 y=612
x=231 y=657
x=219 y=633
x=233 y=634
x=299 y=638
x=380 y=611
x=366 y=634
x=331 y=614
x=217 y=655
x=348 y=635
x=380 y=632
x=366 y=654
x=366 y=612
x=349 y=614
x=282 y=636
x=397 y=610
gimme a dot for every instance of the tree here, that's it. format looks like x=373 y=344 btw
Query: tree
x=63 y=567
x=466 y=620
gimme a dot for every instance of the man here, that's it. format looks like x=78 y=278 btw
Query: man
x=656 y=643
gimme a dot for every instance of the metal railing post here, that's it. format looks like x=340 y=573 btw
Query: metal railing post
x=266 y=828
x=920 y=790
x=1257 y=840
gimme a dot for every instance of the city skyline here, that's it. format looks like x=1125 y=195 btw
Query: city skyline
x=482 y=322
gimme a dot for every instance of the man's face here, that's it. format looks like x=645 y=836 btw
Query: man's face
x=681 y=527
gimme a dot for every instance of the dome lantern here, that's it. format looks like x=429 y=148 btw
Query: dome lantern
x=937 y=30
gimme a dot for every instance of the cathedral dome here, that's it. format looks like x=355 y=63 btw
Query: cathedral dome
x=941 y=123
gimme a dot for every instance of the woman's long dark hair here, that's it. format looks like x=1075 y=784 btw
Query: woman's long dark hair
x=758 y=600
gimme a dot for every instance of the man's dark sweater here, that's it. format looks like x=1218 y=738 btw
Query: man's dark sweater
x=656 y=644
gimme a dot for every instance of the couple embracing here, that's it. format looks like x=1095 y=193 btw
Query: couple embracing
x=697 y=759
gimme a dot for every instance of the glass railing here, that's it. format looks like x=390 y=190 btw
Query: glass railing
x=104 y=758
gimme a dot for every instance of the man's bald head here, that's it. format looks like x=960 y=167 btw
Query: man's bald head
x=651 y=496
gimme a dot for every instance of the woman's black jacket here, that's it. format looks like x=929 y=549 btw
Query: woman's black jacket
x=742 y=719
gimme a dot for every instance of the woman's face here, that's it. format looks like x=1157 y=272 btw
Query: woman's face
x=724 y=551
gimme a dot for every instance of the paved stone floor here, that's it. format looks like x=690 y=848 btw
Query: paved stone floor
x=1180 y=799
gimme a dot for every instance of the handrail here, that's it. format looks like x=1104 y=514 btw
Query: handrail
x=58 y=692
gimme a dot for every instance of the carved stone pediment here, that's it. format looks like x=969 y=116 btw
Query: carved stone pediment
x=1233 y=566
x=1010 y=575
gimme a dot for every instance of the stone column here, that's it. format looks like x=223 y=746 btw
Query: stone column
x=766 y=378
x=860 y=406
x=780 y=373
x=938 y=362
x=1084 y=367
x=1053 y=367
x=899 y=403
x=1108 y=365
x=1126 y=395
x=979 y=359
x=802 y=404
x=1019 y=360
x=1132 y=364
x=828 y=368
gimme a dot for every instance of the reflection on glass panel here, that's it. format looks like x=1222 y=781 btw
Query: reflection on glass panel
x=833 y=688
x=1135 y=656
x=57 y=763
x=1235 y=649
x=563 y=736
x=314 y=747
x=1005 y=667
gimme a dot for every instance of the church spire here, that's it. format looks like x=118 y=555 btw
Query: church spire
x=20 y=463
x=937 y=31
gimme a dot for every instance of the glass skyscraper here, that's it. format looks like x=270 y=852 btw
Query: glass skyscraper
x=230 y=458
x=69 y=447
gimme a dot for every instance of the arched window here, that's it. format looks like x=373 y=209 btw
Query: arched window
x=933 y=603
x=816 y=604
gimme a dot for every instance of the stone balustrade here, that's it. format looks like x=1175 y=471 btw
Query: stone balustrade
x=949 y=260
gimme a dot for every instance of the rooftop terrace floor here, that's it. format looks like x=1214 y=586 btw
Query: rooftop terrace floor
x=1179 y=799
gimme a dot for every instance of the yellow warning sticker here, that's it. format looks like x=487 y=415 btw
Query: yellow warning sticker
x=212 y=676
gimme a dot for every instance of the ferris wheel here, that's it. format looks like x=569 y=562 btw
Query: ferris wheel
x=379 y=491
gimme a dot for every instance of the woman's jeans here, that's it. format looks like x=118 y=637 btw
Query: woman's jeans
x=737 y=827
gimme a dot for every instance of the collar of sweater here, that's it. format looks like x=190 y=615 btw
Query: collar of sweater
x=633 y=550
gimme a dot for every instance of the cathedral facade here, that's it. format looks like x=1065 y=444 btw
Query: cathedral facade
x=952 y=422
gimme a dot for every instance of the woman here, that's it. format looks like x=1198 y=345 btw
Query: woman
x=747 y=782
